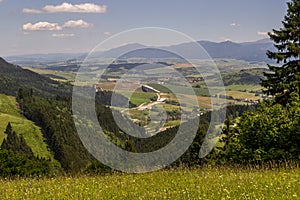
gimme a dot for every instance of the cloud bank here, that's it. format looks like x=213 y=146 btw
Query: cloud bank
x=69 y=8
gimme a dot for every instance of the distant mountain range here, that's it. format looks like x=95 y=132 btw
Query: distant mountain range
x=248 y=51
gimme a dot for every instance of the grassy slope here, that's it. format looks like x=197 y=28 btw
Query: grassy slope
x=31 y=132
x=138 y=97
x=207 y=183
x=141 y=97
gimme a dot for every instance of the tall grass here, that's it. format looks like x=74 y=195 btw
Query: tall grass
x=204 y=183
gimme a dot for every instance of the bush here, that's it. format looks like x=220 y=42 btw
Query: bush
x=16 y=164
x=271 y=133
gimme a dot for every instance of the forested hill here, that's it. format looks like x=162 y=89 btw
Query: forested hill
x=13 y=77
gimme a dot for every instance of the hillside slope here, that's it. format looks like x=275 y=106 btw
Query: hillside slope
x=13 y=77
x=32 y=133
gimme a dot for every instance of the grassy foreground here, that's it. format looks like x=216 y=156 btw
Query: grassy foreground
x=208 y=183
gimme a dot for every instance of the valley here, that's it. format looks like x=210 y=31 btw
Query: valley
x=241 y=82
x=150 y=100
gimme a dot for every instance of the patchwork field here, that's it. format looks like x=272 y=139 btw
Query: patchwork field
x=188 y=98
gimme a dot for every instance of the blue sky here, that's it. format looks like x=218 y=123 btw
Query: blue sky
x=35 y=26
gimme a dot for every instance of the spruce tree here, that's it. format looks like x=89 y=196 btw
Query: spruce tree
x=284 y=80
x=8 y=129
x=16 y=143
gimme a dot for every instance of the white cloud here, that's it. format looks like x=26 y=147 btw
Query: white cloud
x=31 y=11
x=224 y=39
x=262 y=33
x=1 y=1
x=47 y=26
x=68 y=7
x=63 y=35
x=41 y=26
x=234 y=24
x=107 y=33
x=77 y=24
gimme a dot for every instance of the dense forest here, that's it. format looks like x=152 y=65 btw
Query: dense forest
x=54 y=116
x=251 y=134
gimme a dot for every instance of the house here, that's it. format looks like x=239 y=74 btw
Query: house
x=97 y=88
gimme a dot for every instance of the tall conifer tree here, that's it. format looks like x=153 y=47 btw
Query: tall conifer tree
x=284 y=80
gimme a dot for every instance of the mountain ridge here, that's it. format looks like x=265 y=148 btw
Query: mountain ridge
x=248 y=51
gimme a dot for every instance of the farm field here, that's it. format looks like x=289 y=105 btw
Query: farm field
x=56 y=75
x=138 y=97
x=206 y=183
x=141 y=97
x=244 y=87
x=242 y=95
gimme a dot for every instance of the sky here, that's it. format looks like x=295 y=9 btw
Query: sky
x=54 y=26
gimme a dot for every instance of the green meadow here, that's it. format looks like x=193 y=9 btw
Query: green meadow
x=201 y=183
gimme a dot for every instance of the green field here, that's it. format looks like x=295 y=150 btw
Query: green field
x=244 y=87
x=138 y=98
x=56 y=75
x=207 y=183
x=242 y=95
x=172 y=123
x=31 y=132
